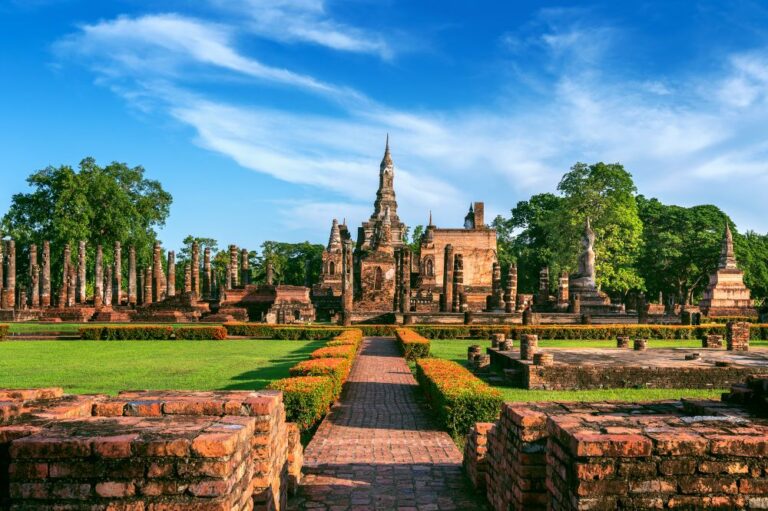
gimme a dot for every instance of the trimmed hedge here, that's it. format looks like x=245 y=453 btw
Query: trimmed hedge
x=306 y=398
x=336 y=368
x=347 y=351
x=296 y=333
x=127 y=333
x=726 y=319
x=412 y=345
x=4 y=329
x=201 y=333
x=584 y=332
x=459 y=398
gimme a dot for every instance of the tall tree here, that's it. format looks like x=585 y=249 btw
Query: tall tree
x=100 y=205
x=681 y=248
x=290 y=262
x=604 y=193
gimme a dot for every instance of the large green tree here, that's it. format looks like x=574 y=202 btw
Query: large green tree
x=549 y=226
x=681 y=248
x=290 y=262
x=100 y=205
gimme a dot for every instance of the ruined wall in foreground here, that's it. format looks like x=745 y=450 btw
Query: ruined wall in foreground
x=171 y=450
x=662 y=455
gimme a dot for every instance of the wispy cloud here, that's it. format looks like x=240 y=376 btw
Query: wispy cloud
x=306 y=21
x=678 y=135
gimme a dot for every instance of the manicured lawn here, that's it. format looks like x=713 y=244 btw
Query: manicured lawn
x=111 y=366
x=456 y=350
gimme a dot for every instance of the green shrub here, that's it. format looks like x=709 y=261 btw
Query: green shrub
x=336 y=368
x=458 y=397
x=412 y=345
x=127 y=333
x=4 y=331
x=306 y=398
x=201 y=333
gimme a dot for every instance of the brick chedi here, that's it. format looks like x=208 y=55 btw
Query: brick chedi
x=726 y=294
x=326 y=294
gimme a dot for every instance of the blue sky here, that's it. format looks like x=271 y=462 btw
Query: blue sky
x=266 y=118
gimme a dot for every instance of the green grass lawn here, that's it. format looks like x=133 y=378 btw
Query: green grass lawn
x=111 y=366
x=456 y=350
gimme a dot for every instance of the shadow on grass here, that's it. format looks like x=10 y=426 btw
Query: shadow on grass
x=276 y=368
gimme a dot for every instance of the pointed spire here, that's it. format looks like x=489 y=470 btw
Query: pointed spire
x=430 y=218
x=386 y=161
x=334 y=241
x=727 y=255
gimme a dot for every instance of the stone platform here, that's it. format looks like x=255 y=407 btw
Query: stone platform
x=593 y=368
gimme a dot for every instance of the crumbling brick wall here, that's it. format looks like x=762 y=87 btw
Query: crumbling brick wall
x=668 y=454
x=45 y=438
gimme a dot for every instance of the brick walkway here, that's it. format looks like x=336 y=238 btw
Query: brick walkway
x=378 y=449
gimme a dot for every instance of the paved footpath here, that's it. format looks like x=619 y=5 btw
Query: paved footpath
x=378 y=448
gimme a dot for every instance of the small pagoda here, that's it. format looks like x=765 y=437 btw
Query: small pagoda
x=726 y=294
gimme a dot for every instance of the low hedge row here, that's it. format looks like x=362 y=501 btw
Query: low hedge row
x=585 y=332
x=151 y=333
x=201 y=333
x=306 y=398
x=458 y=397
x=126 y=333
x=303 y=333
x=412 y=345
x=4 y=329
x=347 y=351
x=316 y=383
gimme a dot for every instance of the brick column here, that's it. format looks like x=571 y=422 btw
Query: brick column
x=562 y=290
x=64 y=277
x=10 y=275
x=148 y=277
x=34 y=277
x=171 y=291
x=398 y=302
x=406 y=299
x=207 y=276
x=270 y=275
x=71 y=286
x=108 y=286
x=118 y=278
x=132 y=291
x=2 y=273
x=543 y=296
x=81 y=272
x=98 y=283
x=187 y=279
x=510 y=292
x=737 y=336
x=447 y=304
x=196 y=269
x=157 y=273
x=347 y=282
x=45 y=277
x=233 y=268
x=458 y=282
x=245 y=272
x=497 y=293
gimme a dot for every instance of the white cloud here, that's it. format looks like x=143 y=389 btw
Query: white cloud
x=678 y=137
x=306 y=21
x=171 y=45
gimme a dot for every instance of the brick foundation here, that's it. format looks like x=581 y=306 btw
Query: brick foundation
x=661 y=455
x=475 y=449
x=173 y=450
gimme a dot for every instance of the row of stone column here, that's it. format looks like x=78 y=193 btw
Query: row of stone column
x=146 y=286
x=238 y=269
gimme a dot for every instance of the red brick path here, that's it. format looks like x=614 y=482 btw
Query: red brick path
x=378 y=449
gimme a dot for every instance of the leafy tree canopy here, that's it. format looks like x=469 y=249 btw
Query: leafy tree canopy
x=100 y=205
